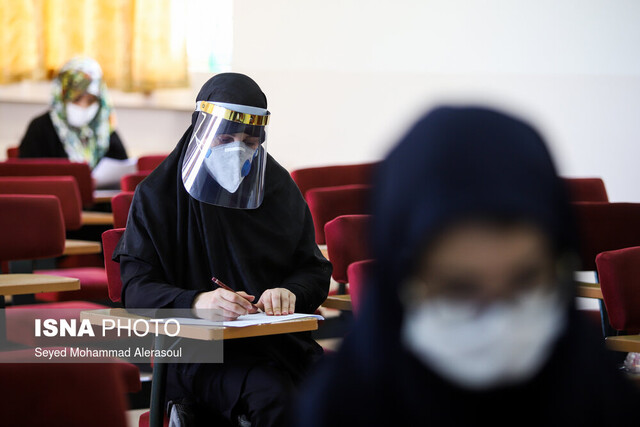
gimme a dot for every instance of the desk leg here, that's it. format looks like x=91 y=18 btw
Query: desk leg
x=158 y=387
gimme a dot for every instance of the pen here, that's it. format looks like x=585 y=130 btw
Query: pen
x=223 y=286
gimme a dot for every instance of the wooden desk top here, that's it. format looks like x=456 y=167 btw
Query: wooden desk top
x=624 y=343
x=22 y=284
x=207 y=333
x=97 y=218
x=339 y=302
x=588 y=290
x=81 y=247
x=104 y=196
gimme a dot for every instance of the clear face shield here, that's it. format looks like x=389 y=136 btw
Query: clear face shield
x=227 y=155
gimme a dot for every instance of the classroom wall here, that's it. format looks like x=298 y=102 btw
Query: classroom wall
x=346 y=78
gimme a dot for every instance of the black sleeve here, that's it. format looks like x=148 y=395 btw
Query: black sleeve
x=116 y=149
x=142 y=288
x=34 y=141
x=309 y=282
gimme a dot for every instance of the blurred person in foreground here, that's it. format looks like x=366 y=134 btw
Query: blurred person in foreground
x=469 y=315
x=80 y=122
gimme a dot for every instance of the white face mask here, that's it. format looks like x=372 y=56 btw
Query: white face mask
x=504 y=343
x=78 y=116
x=229 y=164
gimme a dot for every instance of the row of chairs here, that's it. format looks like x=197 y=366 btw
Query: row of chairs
x=609 y=233
x=49 y=190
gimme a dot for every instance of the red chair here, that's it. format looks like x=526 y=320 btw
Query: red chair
x=13 y=152
x=605 y=227
x=131 y=181
x=331 y=176
x=110 y=239
x=31 y=227
x=347 y=242
x=359 y=274
x=327 y=203
x=120 y=205
x=65 y=188
x=51 y=167
x=619 y=273
x=64 y=394
x=150 y=162
x=93 y=280
x=586 y=189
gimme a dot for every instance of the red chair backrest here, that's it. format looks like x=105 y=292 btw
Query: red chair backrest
x=69 y=394
x=13 y=152
x=120 y=205
x=327 y=203
x=65 y=188
x=331 y=176
x=586 y=189
x=605 y=227
x=359 y=274
x=31 y=227
x=150 y=162
x=28 y=167
x=347 y=242
x=110 y=239
x=619 y=274
x=130 y=182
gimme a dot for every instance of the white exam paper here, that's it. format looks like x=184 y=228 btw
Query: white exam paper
x=246 y=320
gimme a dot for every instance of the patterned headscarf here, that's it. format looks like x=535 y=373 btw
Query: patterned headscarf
x=91 y=141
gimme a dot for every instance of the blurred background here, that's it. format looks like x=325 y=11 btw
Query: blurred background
x=345 y=78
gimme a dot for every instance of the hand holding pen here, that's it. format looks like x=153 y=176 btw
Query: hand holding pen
x=223 y=302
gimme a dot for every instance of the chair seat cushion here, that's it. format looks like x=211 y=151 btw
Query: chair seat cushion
x=93 y=285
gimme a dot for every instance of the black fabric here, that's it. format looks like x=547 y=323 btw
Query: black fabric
x=42 y=140
x=174 y=244
x=454 y=164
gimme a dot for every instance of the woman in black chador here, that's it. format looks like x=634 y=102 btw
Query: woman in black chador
x=220 y=206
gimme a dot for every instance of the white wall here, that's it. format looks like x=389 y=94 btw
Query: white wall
x=346 y=78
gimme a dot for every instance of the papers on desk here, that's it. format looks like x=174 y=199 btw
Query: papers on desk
x=246 y=320
x=108 y=171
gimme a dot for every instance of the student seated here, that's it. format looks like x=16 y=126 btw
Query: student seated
x=80 y=125
x=469 y=316
x=221 y=206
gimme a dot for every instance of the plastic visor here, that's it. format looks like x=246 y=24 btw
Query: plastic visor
x=226 y=157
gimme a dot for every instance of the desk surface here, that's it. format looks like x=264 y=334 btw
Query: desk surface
x=207 y=333
x=81 y=247
x=104 y=196
x=588 y=290
x=624 y=343
x=97 y=218
x=22 y=284
x=339 y=302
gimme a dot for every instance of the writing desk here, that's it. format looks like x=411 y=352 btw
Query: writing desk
x=199 y=332
x=24 y=284
x=338 y=302
x=81 y=247
x=97 y=218
x=104 y=196
x=588 y=290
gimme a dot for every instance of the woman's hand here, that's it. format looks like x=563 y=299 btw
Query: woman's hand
x=227 y=304
x=277 y=301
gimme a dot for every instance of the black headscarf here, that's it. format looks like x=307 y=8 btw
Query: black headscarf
x=454 y=164
x=174 y=244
